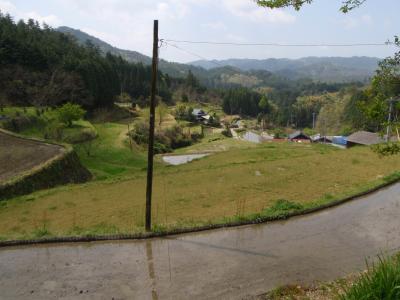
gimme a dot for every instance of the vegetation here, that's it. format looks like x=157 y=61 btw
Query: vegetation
x=347 y=5
x=70 y=112
x=381 y=281
x=187 y=196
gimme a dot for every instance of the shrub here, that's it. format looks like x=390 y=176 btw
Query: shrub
x=70 y=112
x=381 y=281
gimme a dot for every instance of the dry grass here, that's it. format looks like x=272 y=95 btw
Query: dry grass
x=237 y=182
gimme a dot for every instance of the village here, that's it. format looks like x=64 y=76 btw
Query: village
x=172 y=149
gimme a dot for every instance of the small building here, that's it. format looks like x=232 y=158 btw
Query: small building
x=198 y=114
x=318 y=138
x=339 y=140
x=299 y=136
x=364 y=138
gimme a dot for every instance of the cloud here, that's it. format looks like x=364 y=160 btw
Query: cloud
x=215 y=25
x=356 y=22
x=51 y=20
x=250 y=11
x=8 y=7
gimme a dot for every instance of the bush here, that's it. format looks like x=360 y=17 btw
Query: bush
x=164 y=140
x=382 y=281
x=70 y=112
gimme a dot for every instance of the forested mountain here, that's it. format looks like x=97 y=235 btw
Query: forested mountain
x=328 y=69
x=173 y=69
x=83 y=37
x=40 y=66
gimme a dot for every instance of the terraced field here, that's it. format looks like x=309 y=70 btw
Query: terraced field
x=18 y=155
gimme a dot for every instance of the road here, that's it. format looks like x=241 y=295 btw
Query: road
x=220 y=264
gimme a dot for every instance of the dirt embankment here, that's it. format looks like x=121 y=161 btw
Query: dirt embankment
x=27 y=165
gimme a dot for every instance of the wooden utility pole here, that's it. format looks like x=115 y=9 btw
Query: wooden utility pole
x=149 y=187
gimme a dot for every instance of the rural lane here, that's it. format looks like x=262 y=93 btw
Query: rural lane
x=220 y=264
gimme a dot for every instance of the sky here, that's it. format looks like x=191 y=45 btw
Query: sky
x=127 y=24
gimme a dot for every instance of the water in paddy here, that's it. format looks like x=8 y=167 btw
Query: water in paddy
x=182 y=159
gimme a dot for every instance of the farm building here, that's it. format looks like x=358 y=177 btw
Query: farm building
x=318 y=138
x=198 y=113
x=364 y=138
x=339 y=140
x=299 y=136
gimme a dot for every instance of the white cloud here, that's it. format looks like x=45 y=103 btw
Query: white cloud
x=7 y=7
x=215 y=25
x=251 y=12
x=51 y=20
x=355 y=22
x=235 y=38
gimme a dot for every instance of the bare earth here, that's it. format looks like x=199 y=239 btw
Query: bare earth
x=18 y=155
x=230 y=263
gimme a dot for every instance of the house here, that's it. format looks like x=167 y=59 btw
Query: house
x=364 y=138
x=299 y=136
x=318 y=138
x=198 y=114
x=340 y=141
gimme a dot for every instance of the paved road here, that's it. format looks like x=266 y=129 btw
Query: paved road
x=220 y=264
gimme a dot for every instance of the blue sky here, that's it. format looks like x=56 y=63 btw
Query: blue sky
x=127 y=24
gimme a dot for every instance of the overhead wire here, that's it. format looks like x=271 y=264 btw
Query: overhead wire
x=387 y=43
x=191 y=53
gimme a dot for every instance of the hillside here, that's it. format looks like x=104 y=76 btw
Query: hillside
x=83 y=37
x=173 y=69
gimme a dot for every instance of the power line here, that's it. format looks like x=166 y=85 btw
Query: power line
x=191 y=53
x=388 y=43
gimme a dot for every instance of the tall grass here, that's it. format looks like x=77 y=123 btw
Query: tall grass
x=380 y=282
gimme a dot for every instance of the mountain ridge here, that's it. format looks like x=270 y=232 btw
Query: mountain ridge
x=324 y=69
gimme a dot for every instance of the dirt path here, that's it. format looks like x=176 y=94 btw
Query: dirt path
x=221 y=264
x=18 y=155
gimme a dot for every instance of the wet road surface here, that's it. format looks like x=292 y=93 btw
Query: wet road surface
x=220 y=264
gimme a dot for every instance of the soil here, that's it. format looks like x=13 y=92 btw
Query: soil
x=18 y=155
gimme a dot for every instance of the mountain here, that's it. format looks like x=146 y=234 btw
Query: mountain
x=338 y=69
x=173 y=69
x=242 y=71
x=83 y=37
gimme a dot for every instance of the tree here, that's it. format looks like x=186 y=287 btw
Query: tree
x=162 y=111
x=265 y=108
x=347 y=5
x=70 y=112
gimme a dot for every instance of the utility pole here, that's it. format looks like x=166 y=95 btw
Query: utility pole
x=149 y=187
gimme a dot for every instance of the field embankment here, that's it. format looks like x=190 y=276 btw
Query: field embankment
x=28 y=165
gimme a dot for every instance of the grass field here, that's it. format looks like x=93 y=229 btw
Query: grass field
x=248 y=179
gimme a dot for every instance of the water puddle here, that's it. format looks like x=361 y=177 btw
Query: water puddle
x=252 y=137
x=182 y=159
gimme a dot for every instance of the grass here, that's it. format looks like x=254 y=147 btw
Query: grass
x=110 y=154
x=246 y=182
x=380 y=281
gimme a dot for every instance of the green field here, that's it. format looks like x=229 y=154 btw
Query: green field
x=242 y=180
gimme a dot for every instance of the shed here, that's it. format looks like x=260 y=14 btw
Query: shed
x=364 y=138
x=318 y=138
x=339 y=140
x=299 y=136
